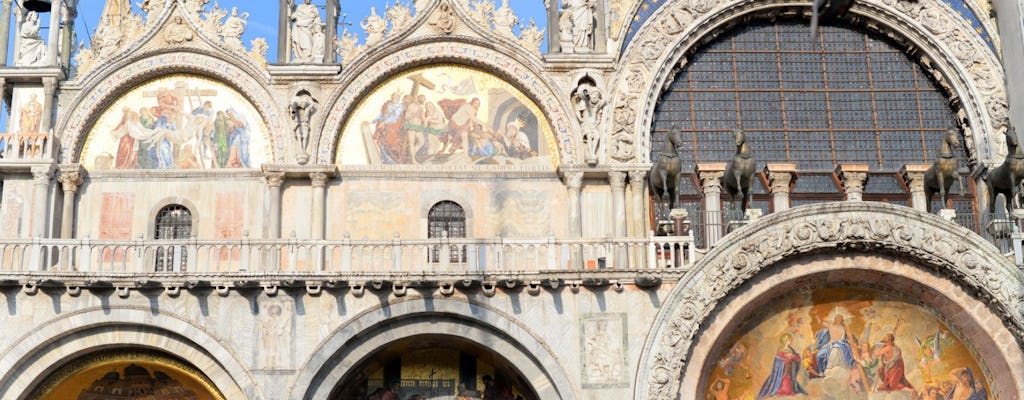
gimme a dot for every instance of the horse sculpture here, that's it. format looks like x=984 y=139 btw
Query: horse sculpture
x=1006 y=177
x=939 y=177
x=664 y=174
x=739 y=172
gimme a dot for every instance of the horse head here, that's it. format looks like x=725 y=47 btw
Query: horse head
x=1012 y=144
x=950 y=142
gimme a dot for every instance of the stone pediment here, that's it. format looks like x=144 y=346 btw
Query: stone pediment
x=169 y=24
x=482 y=20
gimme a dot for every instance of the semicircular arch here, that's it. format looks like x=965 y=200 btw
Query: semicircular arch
x=33 y=357
x=522 y=74
x=749 y=254
x=93 y=100
x=372 y=330
x=941 y=40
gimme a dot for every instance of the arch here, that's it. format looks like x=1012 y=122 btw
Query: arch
x=941 y=39
x=94 y=99
x=375 y=328
x=990 y=283
x=35 y=355
x=371 y=72
x=154 y=212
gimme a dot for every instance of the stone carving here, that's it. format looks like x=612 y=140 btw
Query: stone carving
x=444 y=19
x=522 y=213
x=274 y=334
x=481 y=11
x=153 y=9
x=531 y=37
x=589 y=106
x=939 y=177
x=504 y=20
x=306 y=26
x=622 y=146
x=258 y=53
x=828 y=226
x=31 y=48
x=739 y=172
x=604 y=352
x=302 y=108
x=1006 y=178
x=195 y=7
x=232 y=30
x=178 y=32
x=399 y=15
x=375 y=27
x=576 y=26
x=348 y=47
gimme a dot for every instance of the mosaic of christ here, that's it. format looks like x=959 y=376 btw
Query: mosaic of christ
x=844 y=343
x=445 y=115
x=178 y=122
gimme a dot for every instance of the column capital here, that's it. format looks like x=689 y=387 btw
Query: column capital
x=573 y=179
x=913 y=175
x=274 y=179
x=617 y=179
x=637 y=177
x=854 y=177
x=41 y=174
x=318 y=179
x=49 y=86
x=70 y=177
x=781 y=177
x=710 y=175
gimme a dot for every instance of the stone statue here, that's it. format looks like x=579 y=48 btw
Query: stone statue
x=504 y=20
x=589 y=104
x=582 y=24
x=664 y=175
x=940 y=176
x=399 y=15
x=107 y=38
x=302 y=108
x=374 y=26
x=1005 y=179
x=231 y=31
x=306 y=25
x=32 y=49
x=739 y=172
x=530 y=36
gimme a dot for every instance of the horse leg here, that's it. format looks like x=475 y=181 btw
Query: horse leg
x=942 y=190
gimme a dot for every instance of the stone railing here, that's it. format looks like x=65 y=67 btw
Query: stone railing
x=364 y=257
x=21 y=146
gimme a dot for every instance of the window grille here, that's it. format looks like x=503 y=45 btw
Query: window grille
x=447 y=219
x=172 y=222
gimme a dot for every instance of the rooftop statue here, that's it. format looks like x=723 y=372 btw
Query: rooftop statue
x=939 y=177
x=306 y=25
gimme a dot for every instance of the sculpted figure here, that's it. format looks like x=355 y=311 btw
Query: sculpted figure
x=504 y=19
x=302 y=108
x=32 y=50
x=306 y=25
x=374 y=26
x=1005 y=179
x=232 y=30
x=739 y=172
x=664 y=174
x=940 y=176
x=582 y=24
x=589 y=104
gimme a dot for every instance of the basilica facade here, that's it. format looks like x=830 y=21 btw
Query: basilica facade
x=637 y=199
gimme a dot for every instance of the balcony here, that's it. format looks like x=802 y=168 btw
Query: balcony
x=19 y=147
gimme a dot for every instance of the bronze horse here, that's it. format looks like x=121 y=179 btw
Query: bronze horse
x=739 y=172
x=1006 y=177
x=939 y=177
x=664 y=174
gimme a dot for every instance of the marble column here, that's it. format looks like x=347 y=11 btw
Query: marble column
x=331 y=32
x=853 y=177
x=913 y=175
x=638 y=202
x=40 y=199
x=711 y=186
x=46 y=120
x=554 y=42
x=781 y=178
x=67 y=31
x=53 y=39
x=317 y=224
x=5 y=29
x=617 y=180
x=70 y=178
x=574 y=182
x=274 y=182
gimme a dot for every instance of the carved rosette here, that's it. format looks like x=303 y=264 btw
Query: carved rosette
x=962 y=257
x=950 y=48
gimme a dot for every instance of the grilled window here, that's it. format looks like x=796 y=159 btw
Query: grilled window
x=447 y=219
x=172 y=222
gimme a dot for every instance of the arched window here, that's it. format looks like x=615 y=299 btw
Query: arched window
x=447 y=219
x=172 y=222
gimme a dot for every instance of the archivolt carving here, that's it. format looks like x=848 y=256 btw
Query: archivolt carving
x=949 y=249
x=367 y=76
x=942 y=38
x=96 y=97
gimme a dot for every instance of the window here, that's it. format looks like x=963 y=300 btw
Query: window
x=447 y=219
x=172 y=222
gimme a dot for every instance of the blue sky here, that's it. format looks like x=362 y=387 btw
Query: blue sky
x=263 y=15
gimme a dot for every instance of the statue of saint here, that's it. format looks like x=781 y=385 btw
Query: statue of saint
x=305 y=26
x=32 y=50
x=232 y=30
x=589 y=103
x=374 y=26
x=302 y=108
x=582 y=25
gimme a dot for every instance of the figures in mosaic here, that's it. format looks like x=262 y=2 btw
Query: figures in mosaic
x=32 y=49
x=306 y=26
x=30 y=115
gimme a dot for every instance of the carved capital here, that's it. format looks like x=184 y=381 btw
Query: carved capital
x=49 y=86
x=711 y=176
x=617 y=179
x=780 y=182
x=318 y=179
x=274 y=179
x=637 y=177
x=853 y=183
x=574 y=180
x=70 y=177
x=41 y=175
x=914 y=179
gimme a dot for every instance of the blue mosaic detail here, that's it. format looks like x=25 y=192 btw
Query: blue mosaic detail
x=648 y=7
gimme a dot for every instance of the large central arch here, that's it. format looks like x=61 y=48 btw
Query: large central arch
x=974 y=277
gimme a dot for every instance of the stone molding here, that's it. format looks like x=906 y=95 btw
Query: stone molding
x=940 y=245
x=97 y=96
x=945 y=42
x=488 y=55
